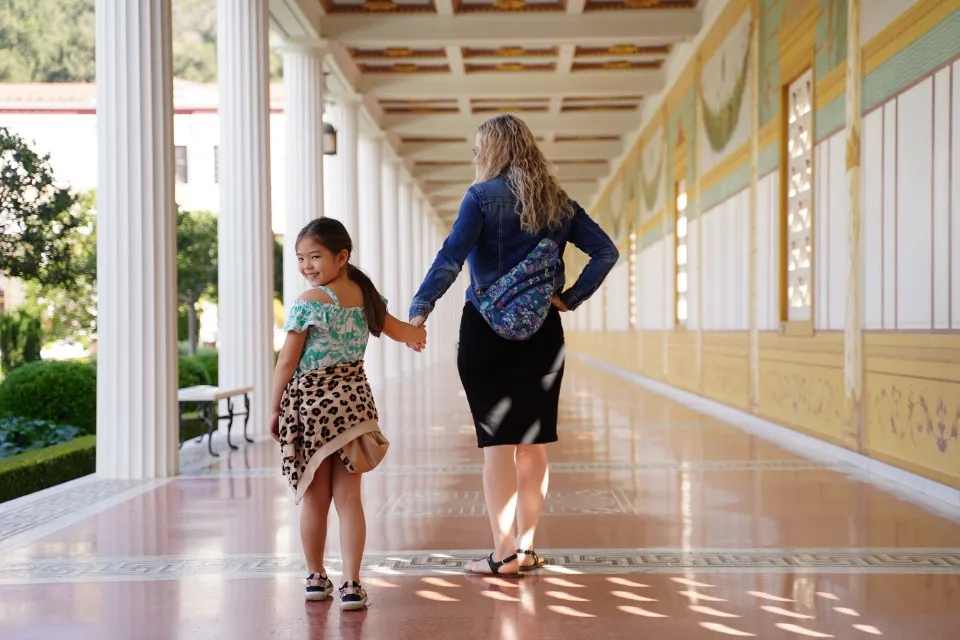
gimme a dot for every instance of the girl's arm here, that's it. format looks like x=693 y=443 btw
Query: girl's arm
x=403 y=332
x=286 y=366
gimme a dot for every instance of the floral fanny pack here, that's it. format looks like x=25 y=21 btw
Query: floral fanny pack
x=516 y=305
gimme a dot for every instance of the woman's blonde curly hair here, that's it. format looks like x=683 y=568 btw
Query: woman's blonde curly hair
x=505 y=144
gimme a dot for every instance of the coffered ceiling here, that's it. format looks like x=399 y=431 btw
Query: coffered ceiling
x=430 y=71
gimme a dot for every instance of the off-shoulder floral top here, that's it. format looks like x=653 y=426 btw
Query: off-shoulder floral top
x=337 y=335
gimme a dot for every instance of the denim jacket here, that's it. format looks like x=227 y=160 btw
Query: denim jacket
x=487 y=233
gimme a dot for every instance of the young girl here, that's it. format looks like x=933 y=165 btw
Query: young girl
x=324 y=416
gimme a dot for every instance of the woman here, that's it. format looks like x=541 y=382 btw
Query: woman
x=513 y=386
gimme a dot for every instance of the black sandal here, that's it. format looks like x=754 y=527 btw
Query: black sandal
x=538 y=560
x=495 y=567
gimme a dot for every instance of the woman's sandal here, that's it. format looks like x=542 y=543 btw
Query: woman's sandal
x=495 y=567
x=538 y=560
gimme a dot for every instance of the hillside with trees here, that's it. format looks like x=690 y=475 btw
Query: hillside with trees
x=54 y=41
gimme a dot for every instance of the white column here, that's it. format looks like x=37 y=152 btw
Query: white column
x=370 y=237
x=136 y=244
x=303 y=179
x=416 y=256
x=331 y=170
x=405 y=235
x=347 y=149
x=429 y=251
x=245 y=242
x=389 y=196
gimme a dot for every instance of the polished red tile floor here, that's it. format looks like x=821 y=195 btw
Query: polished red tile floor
x=661 y=523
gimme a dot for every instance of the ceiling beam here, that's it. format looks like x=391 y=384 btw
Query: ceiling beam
x=497 y=30
x=465 y=172
x=457 y=124
x=512 y=84
x=556 y=151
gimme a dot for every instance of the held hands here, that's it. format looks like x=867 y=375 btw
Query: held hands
x=419 y=341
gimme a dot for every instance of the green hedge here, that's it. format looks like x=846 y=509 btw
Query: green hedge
x=40 y=469
x=62 y=392
x=192 y=372
x=210 y=361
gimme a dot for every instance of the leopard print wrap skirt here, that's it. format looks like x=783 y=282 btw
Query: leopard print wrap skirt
x=326 y=412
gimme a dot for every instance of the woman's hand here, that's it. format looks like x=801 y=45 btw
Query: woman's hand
x=558 y=303
x=275 y=426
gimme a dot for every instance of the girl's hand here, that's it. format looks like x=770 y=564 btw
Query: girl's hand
x=275 y=426
x=419 y=342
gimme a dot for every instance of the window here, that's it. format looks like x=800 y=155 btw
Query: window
x=797 y=241
x=180 y=158
x=216 y=164
x=681 y=254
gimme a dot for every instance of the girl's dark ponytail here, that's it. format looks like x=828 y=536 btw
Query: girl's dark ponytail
x=374 y=308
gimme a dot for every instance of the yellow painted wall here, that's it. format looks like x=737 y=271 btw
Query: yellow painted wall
x=909 y=413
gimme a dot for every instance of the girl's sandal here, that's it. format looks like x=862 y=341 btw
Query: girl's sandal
x=538 y=560
x=495 y=567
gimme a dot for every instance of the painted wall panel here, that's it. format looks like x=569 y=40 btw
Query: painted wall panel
x=768 y=252
x=876 y=15
x=940 y=256
x=837 y=222
x=821 y=233
x=872 y=219
x=618 y=311
x=596 y=311
x=693 y=288
x=890 y=216
x=955 y=200
x=652 y=287
x=914 y=202
x=669 y=281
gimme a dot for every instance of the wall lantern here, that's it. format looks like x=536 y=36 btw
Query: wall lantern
x=329 y=139
x=329 y=131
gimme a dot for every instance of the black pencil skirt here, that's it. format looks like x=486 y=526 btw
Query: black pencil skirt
x=513 y=387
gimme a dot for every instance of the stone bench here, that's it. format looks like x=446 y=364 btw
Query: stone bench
x=208 y=400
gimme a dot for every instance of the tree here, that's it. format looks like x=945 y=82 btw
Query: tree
x=54 y=41
x=196 y=263
x=20 y=340
x=37 y=218
x=70 y=312
x=47 y=41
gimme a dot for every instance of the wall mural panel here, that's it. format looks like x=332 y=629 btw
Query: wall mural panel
x=651 y=168
x=831 y=47
x=724 y=86
x=909 y=415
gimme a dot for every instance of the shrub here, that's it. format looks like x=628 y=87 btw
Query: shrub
x=23 y=434
x=59 y=391
x=21 y=337
x=192 y=372
x=210 y=361
x=42 y=468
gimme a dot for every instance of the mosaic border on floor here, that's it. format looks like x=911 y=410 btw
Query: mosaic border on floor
x=558 y=467
x=50 y=510
x=565 y=562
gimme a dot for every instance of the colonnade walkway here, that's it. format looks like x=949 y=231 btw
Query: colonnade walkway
x=660 y=523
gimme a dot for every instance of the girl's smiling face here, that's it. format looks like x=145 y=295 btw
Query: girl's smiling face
x=318 y=264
